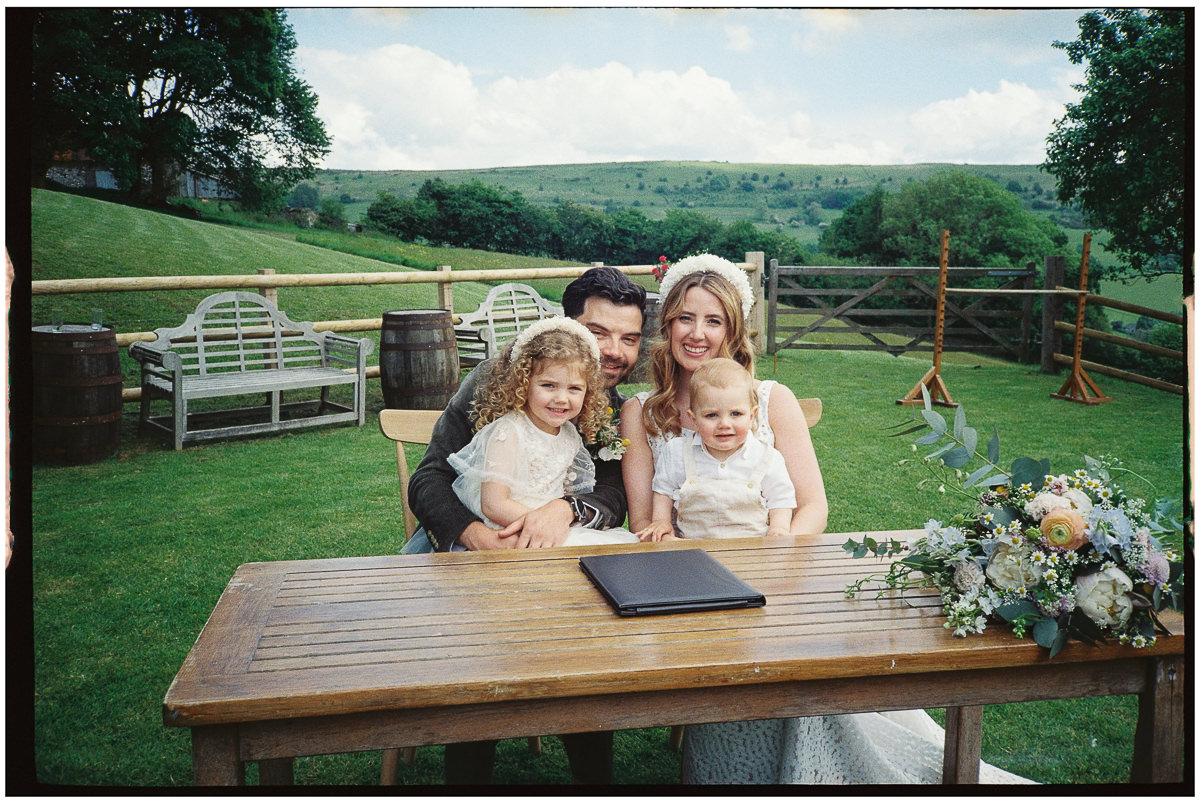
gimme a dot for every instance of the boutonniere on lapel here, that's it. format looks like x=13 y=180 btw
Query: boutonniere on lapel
x=608 y=439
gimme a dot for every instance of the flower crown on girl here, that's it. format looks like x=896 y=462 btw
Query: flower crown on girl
x=713 y=264
x=569 y=325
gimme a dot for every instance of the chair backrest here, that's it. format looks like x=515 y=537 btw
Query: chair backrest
x=407 y=427
x=811 y=407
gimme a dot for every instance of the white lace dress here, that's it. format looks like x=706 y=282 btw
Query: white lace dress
x=868 y=748
x=536 y=466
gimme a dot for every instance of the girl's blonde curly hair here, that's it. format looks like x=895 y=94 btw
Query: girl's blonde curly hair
x=507 y=386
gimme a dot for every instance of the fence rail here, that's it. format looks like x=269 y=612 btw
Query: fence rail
x=1051 y=347
x=267 y=281
x=984 y=324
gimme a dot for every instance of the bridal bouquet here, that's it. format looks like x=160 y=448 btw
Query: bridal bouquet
x=1057 y=556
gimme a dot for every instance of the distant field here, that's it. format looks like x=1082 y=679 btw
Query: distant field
x=728 y=192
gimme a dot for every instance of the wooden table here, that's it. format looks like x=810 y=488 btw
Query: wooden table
x=302 y=658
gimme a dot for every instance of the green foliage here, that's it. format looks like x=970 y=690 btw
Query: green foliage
x=1125 y=150
x=304 y=196
x=474 y=215
x=332 y=214
x=211 y=90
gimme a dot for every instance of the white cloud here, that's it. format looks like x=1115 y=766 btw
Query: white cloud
x=1007 y=125
x=400 y=107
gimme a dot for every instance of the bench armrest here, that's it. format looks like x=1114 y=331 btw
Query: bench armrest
x=149 y=356
x=365 y=344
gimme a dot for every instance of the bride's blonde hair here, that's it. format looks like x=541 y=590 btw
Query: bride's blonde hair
x=507 y=386
x=659 y=414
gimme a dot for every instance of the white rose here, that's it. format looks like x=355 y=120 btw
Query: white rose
x=1010 y=567
x=1080 y=500
x=1103 y=596
x=1044 y=503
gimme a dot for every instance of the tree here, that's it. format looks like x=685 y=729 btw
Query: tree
x=305 y=196
x=855 y=233
x=988 y=226
x=1125 y=150
x=155 y=90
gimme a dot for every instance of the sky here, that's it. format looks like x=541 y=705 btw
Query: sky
x=458 y=88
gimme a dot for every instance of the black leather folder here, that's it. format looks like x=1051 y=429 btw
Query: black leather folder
x=668 y=581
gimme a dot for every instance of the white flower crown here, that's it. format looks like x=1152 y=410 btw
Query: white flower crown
x=558 y=322
x=710 y=263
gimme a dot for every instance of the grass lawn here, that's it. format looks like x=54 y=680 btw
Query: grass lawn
x=129 y=556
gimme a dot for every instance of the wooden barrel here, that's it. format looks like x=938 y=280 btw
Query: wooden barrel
x=76 y=394
x=418 y=359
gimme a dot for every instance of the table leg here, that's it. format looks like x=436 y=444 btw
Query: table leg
x=276 y=772
x=215 y=756
x=1158 y=739
x=964 y=733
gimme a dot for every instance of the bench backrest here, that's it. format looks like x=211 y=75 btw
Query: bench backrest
x=510 y=308
x=240 y=331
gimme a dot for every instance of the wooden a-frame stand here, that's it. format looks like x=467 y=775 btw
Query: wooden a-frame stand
x=933 y=378
x=1079 y=386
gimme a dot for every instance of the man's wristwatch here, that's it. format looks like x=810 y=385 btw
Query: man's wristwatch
x=584 y=513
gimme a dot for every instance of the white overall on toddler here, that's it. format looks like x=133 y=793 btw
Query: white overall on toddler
x=716 y=508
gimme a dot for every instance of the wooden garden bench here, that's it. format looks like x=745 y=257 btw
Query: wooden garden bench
x=238 y=343
x=506 y=310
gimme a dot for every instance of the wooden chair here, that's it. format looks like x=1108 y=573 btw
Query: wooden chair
x=411 y=427
x=811 y=407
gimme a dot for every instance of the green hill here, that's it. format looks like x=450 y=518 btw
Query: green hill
x=771 y=195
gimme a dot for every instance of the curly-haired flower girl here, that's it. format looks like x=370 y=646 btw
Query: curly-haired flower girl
x=527 y=451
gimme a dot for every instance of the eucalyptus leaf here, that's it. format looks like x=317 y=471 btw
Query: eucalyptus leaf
x=929 y=438
x=935 y=420
x=993 y=449
x=1060 y=639
x=994 y=480
x=976 y=475
x=1027 y=470
x=912 y=429
x=1045 y=632
x=1011 y=611
x=943 y=448
x=970 y=439
x=1001 y=514
x=959 y=456
x=960 y=422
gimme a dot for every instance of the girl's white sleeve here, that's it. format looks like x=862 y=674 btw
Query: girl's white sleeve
x=493 y=456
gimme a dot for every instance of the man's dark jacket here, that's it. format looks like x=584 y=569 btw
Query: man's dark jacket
x=430 y=490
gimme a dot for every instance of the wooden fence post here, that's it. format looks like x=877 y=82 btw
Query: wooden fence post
x=272 y=294
x=758 y=313
x=1026 y=316
x=1051 y=308
x=773 y=307
x=932 y=381
x=445 y=290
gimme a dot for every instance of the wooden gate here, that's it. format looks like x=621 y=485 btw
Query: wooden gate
x=893 y=309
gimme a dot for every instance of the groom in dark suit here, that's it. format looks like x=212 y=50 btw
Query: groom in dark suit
x=611 y=306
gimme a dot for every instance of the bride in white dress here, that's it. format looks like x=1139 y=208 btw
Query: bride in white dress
x=706 y=301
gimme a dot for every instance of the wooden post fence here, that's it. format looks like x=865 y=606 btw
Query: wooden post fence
x=1079 y=386
x=933 y=378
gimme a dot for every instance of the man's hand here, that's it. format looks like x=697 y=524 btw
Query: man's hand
x=479 y=536
x=546 y=526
